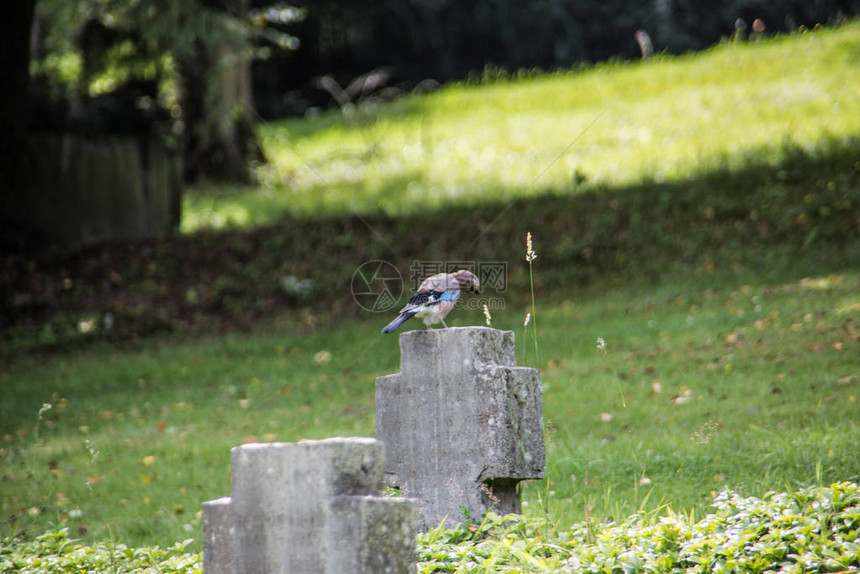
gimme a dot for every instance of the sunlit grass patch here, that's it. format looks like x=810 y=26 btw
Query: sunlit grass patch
x=611 y=125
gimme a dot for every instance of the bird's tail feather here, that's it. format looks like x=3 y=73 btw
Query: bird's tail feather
x=399 y=320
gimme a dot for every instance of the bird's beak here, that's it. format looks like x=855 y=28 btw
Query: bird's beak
x=476 y=288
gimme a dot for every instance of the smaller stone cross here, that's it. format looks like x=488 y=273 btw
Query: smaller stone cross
x=312 y=507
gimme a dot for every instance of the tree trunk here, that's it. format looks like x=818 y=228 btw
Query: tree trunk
x=15 y=26
x=217 y=107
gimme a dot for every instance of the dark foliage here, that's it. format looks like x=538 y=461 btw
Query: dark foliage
x=447 y=39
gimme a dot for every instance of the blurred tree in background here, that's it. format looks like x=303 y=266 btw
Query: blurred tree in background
x=183 y=67
x=164 y=73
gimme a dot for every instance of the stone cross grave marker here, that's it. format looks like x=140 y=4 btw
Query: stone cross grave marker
x=312 y=507
x=461 y=423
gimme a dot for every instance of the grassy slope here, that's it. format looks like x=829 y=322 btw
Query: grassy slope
x=663 y=120
x=730 y=204
x=771 y=371
x=696 y=283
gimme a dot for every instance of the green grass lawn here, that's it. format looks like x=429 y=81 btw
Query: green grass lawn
x=664 y=120
x=747 y=386
x=705 y=227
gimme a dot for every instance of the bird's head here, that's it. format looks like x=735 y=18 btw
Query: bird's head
x=467 y=280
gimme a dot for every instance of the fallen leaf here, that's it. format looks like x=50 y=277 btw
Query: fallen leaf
x=683 y=396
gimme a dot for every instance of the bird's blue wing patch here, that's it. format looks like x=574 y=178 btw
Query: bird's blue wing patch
x=449 y=295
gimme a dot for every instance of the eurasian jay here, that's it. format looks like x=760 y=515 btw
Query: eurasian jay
x=435 y=298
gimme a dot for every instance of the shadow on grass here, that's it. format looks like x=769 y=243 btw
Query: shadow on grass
x=752 y=219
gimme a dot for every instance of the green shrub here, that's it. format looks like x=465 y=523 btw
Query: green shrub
x=811 y=530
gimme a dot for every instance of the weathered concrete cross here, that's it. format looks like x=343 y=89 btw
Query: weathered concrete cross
x=311 y=507
x=461 y=423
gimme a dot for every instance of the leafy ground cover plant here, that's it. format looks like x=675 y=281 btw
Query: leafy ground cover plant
x=814 y=529
x=57 y=551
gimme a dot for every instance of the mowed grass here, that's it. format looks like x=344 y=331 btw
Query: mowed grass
x=751 y=387
x=711 y=245
x=664 y=120
x=702 y=384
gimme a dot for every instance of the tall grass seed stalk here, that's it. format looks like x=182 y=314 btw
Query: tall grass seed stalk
x=530 y=257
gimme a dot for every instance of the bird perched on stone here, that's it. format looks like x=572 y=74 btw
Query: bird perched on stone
x=435 y=298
